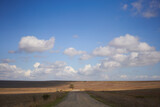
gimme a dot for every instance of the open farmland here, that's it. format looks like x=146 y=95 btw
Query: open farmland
x=128 y=98
x=14 y=87
x=112 y=93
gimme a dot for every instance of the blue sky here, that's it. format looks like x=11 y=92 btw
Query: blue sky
x=79 y=40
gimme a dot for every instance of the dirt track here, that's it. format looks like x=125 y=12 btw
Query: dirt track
x=80 y=99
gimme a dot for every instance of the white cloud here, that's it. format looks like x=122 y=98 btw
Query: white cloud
x=125 y=6
x=85 y=57
x=121 y=45
x=69 y=69
x=104 y=66
x=12 y=72
x=7 y=60
x=149 y=14
x=54 y=51
x=67 y=72
x=73 y=52
x=155 y=77
x=11 y=51
x=39 y=56
x=75 y=36
x=142 y=76
x=8 y=68
x=28 y=73
x=130 y=43
x=86 y=70
x=106 y=77
x=127 y=41
x=123 y=76
x=36 y=65
x=123 y=51
x=137 y=5
x=120 y=57
x=31 y=44
x=144 y=58
x=57 y=69
x=147 y=77
x=107 y=51
x=110 y=64
x=147 y=9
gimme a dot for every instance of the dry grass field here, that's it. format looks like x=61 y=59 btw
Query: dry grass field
x=31 y=100
x=129 y=98
x=19 y=87
x=113 y=93
x=115 y=85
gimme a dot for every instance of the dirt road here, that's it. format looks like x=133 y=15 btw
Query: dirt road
x=80 y=99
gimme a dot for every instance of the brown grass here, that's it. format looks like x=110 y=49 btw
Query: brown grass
x=115 y=85
x=130 y=98
x=28 y=100
x=53 y=86
x=23 y=93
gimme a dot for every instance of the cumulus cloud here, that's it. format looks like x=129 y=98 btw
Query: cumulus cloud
x=147 y=9
x=57 y=69
x=32 y=44
x=88 y=69
x=123 y=51
x=36 y=65
x=72 y=52
x=107 y=51
x=27 y=73
x=85 y=56
x=123 y=45
x=12 y=72
x=130 y=43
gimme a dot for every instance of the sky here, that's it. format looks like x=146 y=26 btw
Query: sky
x=101 y=40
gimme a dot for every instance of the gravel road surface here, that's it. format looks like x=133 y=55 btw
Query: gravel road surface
x=80 y=99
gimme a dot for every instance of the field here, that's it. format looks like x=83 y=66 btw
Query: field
x=30 y=100
x=113 y=93
x=128 y=98
x=14 y=87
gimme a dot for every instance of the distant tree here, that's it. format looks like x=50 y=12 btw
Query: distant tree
x=71 y=86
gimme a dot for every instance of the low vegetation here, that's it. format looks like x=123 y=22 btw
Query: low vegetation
x=32 y=100
x=129 y=98
x=71 y=86
x=45 y=96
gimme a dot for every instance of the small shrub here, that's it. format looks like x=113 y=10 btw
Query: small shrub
x=45 y=96
x=71 y=86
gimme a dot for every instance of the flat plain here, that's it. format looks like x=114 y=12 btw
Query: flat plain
x=112 y=93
